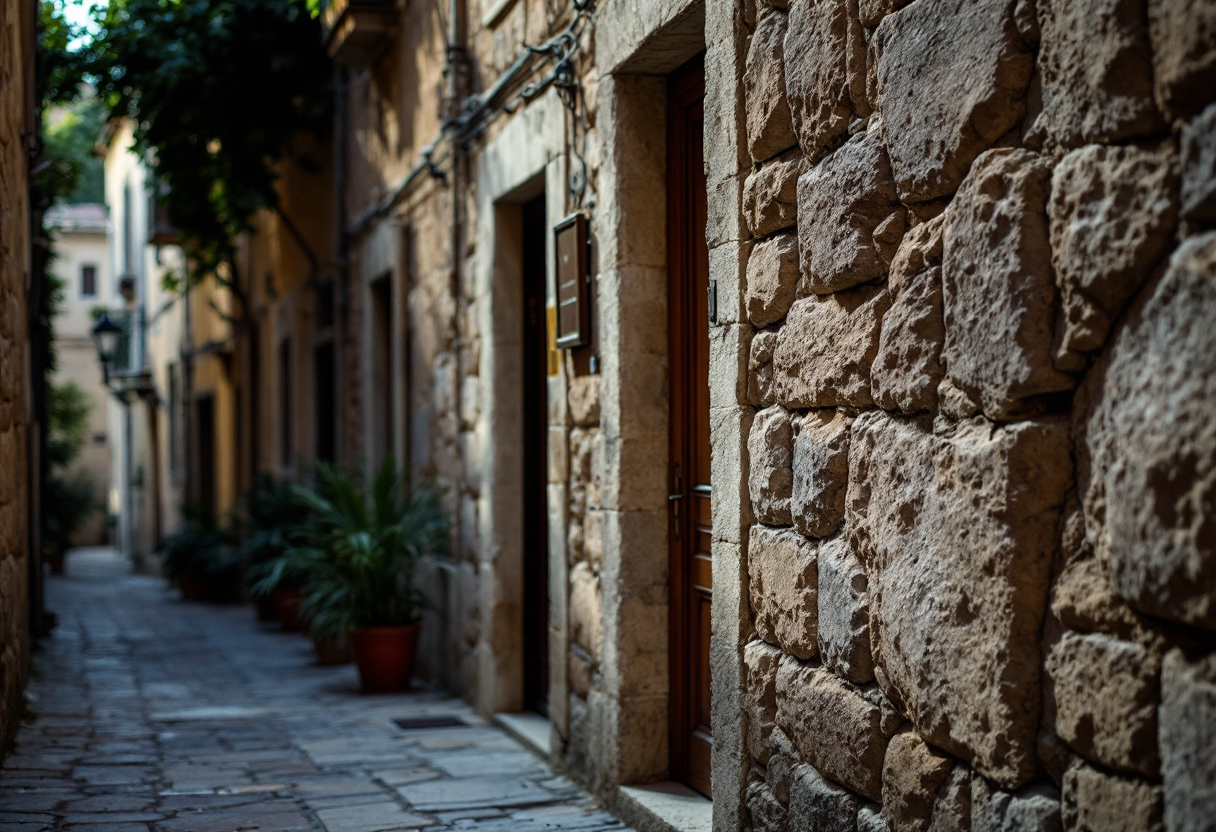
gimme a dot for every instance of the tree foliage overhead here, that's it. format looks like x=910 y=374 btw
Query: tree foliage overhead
x=68 y=409
x=217 y=91
x=70 y=132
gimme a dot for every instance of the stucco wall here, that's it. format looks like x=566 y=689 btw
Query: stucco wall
x=16 y=67
x=76 y=357
x=978 y=311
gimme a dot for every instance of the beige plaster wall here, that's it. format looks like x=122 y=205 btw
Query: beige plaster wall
x=76 y=357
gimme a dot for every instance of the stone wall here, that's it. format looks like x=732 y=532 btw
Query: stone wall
x=980 y=300
x=16 y=67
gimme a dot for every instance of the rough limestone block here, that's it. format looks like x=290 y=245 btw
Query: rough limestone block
x=1093 y=801
x=1032 y=809
x=997 y=288
x=584 y=400
x=912 y=775
x=951 y=79
x=841 y=203
x=1147 y=449
x=1096 y=69
x=844 y=612
x=770 y=448
x=772 y=278
x=833 y=727
x=821 y=473
x=892 y=719
x=952 y=809
x=1082 y=599
x=783 y=759
x=784 y=581
x=1184 y=59
x=1106 y=695
x=765 y=812
x=769 y=129
x=871 y=12
x=825 y=71
x=760 y=388
x=869 y=819
x=1188 y=741
x=826 y=347
x=1112 y=215
x=760 y=661
x=957 y=532
x=586 y=610
x=907 y=369
x=770 y=195
x=817 y=804
x=1199 y=167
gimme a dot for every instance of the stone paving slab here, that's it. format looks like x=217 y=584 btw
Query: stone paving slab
x=154 y=715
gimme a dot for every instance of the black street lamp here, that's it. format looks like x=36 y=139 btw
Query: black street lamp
x=105 y=337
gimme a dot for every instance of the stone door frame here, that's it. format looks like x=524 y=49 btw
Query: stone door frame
x=526 y=157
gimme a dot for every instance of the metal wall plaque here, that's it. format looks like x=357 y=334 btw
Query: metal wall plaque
x=573 y=286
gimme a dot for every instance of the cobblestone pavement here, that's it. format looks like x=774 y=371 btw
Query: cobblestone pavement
x=160 y=716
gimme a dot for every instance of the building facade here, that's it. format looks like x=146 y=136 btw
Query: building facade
x=819 y=391
x=146 y=410
x=82 y=264
x=17 y=428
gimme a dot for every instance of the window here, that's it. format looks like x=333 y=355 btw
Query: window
x=88 y=281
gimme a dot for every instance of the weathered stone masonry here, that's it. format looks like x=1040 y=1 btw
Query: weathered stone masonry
x=981 y=307
x=16 y=67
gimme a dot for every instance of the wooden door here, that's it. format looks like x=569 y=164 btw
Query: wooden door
x=536 y=467
x=691 y=526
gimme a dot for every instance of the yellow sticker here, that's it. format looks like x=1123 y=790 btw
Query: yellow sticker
x=554 y=359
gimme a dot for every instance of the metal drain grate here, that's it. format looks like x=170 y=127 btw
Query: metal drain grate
x=419 y=722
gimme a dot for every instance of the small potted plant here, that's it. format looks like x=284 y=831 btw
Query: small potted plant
x=202 y=558
x=272 y=520
x=365 y=542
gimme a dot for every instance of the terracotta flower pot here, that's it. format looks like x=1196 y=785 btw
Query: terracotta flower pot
x=385 y=657
x=194 y=589
x=287 y=606
x=331 y=652
x=266 y=609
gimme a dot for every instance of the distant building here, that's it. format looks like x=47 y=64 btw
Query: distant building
x=147 y=480
x=82 y=263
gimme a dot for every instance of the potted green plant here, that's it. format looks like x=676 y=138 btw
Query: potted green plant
x=271 y=521
x=202 y=558
x=365 y=542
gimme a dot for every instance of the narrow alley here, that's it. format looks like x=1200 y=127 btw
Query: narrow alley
x=153 y=715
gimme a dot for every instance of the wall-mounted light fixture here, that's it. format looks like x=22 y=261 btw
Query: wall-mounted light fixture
x=105 y=338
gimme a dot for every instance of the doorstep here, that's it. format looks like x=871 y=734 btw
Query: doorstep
x=664 y=807
x=529 y=728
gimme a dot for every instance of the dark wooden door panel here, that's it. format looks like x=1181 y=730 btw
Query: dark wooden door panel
x=536 y=468
x=691 y=557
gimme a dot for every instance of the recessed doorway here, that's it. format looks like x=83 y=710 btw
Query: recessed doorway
x=536 y=464
x=691 y=522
